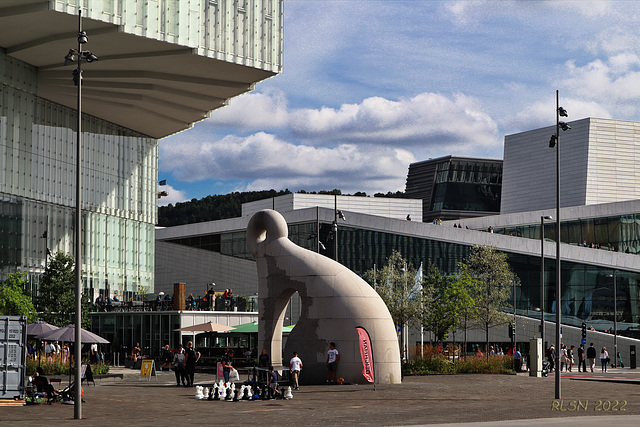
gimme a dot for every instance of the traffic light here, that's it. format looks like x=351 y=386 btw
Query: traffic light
x=584 y=330
x=512 y=331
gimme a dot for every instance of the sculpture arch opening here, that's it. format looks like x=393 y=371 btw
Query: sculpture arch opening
x=333 y=301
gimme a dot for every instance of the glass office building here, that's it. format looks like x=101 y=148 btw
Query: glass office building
x=456 y=187
x=37 y=189
x=367 y=241
x=163 y=65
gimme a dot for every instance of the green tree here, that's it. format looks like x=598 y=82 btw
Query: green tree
x=447 y=299
x=15 y=297
x=397 y=286
x=495 y=281
x=56 y=299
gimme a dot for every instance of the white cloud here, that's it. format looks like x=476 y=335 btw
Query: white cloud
x=264 y=161
x=256 y=110
x=427 y=119
x=614 y=83
x=175 y=196
x=542 y=113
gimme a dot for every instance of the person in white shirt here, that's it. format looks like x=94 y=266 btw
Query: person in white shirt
x=333 y=357
x=295 y=366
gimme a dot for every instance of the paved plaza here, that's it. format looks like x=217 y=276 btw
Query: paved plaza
x=436 y=399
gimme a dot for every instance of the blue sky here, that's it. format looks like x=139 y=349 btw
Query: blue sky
x=369 y=87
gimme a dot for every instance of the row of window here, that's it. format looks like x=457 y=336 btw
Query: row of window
x=616 y=233
x=587 y=290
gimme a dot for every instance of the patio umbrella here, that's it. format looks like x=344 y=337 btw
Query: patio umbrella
x=206 y=327
x=68 y=334
x=40 y=328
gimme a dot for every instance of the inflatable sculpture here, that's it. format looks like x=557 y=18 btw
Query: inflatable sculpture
x=334 y=301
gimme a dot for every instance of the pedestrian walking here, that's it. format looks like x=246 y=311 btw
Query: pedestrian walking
x=591 y=355
x=178 y=366
x=581 y=359
x=191 y=358
x=295 y=366
x=570 y=359
x=227 y=360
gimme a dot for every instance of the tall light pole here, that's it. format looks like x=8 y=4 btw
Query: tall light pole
x=615 y=319
x=78 y=55
x=555 y=142
x=336 y=214
x=542 y=218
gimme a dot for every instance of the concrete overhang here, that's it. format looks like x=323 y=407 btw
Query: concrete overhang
x=150 y=86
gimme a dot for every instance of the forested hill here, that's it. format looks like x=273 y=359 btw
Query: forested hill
x=212 y=208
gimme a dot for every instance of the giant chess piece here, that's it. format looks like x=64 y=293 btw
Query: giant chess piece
x=247 y=393
x=199 y=394
x=334 y=301
x=288 y=394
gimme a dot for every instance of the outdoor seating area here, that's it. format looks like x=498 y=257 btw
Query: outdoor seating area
x=166 y=303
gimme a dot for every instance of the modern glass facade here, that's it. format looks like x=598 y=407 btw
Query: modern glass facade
x=615 y=233
x=467 y=186
x=37 y=188
x=587 y=290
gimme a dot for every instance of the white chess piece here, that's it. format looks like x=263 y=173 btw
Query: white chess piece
x=288 y=394
x=199 y=394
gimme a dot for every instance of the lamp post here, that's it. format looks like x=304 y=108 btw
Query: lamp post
x=615 y=319
x=336 y=214
x=78 y=55
x=555 y=142
x=542 y=218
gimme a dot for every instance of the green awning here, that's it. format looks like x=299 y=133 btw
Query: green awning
x=252 y=328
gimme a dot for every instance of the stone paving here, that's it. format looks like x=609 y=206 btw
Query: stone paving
x=436 y=399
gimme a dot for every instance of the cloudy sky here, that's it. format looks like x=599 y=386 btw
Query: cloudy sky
x=369 y=87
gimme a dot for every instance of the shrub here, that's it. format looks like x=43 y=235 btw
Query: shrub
x=59 y=368
x=436 y=362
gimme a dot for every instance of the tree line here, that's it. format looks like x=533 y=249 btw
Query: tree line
x=216 y=207
x=475 y=295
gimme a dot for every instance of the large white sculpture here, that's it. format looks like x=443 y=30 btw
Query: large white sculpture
x=334 y=301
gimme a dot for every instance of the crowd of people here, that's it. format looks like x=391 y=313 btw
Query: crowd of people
x=164 y=302
x=183 y=362
x=569 y=357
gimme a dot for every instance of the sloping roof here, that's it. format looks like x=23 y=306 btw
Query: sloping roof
x=147 y=85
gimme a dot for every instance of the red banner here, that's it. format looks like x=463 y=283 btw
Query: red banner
x=366 y=353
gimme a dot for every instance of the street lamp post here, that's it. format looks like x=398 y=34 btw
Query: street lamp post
x=615 y=319
x=555 y=142
x=78 y=55
x=542 y=218
x=336 y=214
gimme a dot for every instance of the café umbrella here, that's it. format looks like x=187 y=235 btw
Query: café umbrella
x=68 y=334
x=205 y=327
x=40 y=328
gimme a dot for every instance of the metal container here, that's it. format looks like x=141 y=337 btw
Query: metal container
x=13 y=356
